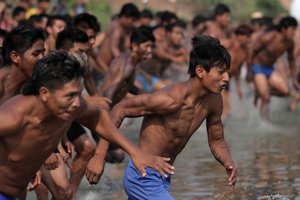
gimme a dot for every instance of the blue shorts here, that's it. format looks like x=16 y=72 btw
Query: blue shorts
x=259 y=69
x=151 y=187
x=4 y=197
x=148 y=87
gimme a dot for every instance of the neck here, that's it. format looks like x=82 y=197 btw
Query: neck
x=196 y=89
x=134 y=58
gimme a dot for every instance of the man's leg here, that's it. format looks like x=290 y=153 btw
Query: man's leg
x=57 y=181
x=279 y=85
x=85 y=149
x=262 y=87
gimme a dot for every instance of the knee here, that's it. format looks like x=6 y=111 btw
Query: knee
x=87 y=150
x=115 y=156
x=265 y=98
x=63 y=193
x=286 y=92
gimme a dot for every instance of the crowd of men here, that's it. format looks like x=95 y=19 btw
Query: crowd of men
x=155 y=66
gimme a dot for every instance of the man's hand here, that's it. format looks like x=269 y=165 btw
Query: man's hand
x=160 y=164
x=99 y=101
x=232 y=173
x=36 y=181
x=94 y=169
x=52 y=162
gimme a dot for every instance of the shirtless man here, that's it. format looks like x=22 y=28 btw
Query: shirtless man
x=54 y=25
x=118 y=33
x=90 y=25
x=239 y=53
x=167 y=51
x=263 y=54
x=116 y=84
x=50 y=102
x=76 y=41
x=173 y=114
x=219 y=26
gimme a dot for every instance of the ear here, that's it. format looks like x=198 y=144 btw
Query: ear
x=49 y=30
x=134 y=47
x=44 y=94
x=14 y=56
x=199 y=71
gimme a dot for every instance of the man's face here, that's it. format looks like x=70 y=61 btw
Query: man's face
x=57 y=27
x=65 y=101
x=244 y=39
x=216 y=79
x=91 y=35
x=176 y=35
x=145 y=50
x=81 y=49
x=128 y=22
x=31 y=56
x=224 y=19
x=289 y=32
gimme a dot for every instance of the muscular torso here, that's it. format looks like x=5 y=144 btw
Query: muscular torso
x=268 y=54
x=167 y=135
x=23 y=153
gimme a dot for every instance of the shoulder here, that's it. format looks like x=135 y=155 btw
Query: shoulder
x=215 y=103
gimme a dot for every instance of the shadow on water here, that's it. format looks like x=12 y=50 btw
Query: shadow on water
x=267 y=157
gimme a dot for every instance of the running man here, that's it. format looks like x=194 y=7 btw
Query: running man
x=116 y=85
x=34 y=123
x=173 y=114
x=263 y=54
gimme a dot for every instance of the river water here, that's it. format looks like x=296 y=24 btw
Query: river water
x=267 y=157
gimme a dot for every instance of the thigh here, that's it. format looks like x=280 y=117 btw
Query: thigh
x=84 y=142
x=261 y=84
x=279 y=83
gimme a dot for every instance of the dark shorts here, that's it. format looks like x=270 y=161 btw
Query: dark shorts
x=259 y=69
x=153 y=186
x=4 y=197
x=75 y=131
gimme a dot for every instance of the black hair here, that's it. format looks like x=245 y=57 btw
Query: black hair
x=86 y=21
x=3 y=33
x=198 y=20
x=220 y=9
x=146 y=13
x=67 y=37
x=179 y=23
x=142 y=35
x=53 y=71
x=18 y=10
x=53 y=18
x=20 y=39
x=130 y=10
x=243 y=29
x=207 y=52
x=286 y=22
x=166 y=17
x=36 y=19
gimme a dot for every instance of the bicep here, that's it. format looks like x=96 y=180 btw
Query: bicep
x=214 y=123
x=147 y=104
x=11 y=122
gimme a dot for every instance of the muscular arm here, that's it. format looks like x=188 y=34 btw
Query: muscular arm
x=11 y=121
x=113 y=80
x=115 y=41
x=216 y=139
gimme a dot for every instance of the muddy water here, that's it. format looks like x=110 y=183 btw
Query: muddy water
x=267 y=157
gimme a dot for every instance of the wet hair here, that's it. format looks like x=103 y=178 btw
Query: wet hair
x=220 y=9
x=18 y=10
x=66 y=38
x=53 y=71
x=243 y=29
x=86 y=21
x=179 y=23
x=142 y=35
x=207 y=52
x=20 y=39
x=199 y=19
x=130 y=10
x=53 y=18
x=286 y=22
